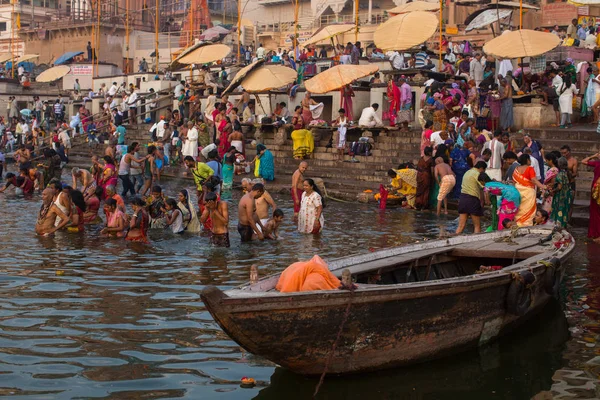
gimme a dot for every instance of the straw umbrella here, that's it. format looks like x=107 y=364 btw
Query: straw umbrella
x=521 y=43
x=328 y=32
x=266 y=78
x=241 y=74
x=27 y=57
x=414 y=6
x=405 y=30
x=205 y=54
x=53 y=74
x=338 y=77
x=5 y=57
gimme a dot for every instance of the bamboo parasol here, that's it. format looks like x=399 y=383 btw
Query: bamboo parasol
x=53 y=74
x=414 y=6
x=27 y=57
x=241 y=74
x=328 y=32
x=405 y=30
x=337 y=77
x=205 y=54
x=175 y=64
x=267 y=78
x=521 y=43
x=6 y=57
x=488 y=17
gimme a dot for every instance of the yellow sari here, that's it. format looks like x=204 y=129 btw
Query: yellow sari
x=406 y=184
x=304 y=143
x=528 y=207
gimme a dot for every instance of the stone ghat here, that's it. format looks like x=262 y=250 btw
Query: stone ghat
x=349 y=180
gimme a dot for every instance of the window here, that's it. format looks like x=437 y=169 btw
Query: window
x=2 y=26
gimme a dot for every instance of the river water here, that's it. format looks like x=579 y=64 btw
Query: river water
x=125 y=320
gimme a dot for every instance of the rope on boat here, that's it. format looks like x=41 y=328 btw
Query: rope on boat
x=351 y=287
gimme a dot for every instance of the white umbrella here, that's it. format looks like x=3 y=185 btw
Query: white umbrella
x=487 y=17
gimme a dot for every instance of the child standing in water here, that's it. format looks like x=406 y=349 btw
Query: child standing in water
x=272 y=226
x=174 y=216
x=341 y=122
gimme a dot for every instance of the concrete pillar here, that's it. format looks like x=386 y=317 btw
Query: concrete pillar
x=370 y=11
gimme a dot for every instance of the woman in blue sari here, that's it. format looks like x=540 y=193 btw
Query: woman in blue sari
x=266 y=169
x=460 y=165
x=507 y=202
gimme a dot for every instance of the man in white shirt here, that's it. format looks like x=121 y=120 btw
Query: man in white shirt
x=495 y=163
x=132 y=103
x=557 y=81
x=113 y=90
x=396 y=59
x=260 y=52
x=369 y=117
x=450 y=56
x=590 y=39
x=160 y=128
x=476 y=69
x=76 y=85
x=64 y=138
x=439 y=137
x=179 y=89
x=20 y=71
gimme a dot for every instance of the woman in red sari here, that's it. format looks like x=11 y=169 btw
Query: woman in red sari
x=594 y=225
x=393 y=96
x=224 y=142
x=526 y=182
x=347 y=94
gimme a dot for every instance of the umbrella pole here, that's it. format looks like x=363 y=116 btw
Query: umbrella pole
x=239 y=31
x=259 y=103
x=356 y=5
x=520 y=14
x=156 y=36
x=440 y=57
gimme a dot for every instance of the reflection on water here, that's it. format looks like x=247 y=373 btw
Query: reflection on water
x=126 y=320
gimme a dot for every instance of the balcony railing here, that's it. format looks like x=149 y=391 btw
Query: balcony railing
x=377 y=17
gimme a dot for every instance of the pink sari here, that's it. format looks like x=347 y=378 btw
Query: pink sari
x=550 y=175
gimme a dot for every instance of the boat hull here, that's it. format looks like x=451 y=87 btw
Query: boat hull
x=382 y=327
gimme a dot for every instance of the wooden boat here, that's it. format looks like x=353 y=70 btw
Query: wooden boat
x=428 y=301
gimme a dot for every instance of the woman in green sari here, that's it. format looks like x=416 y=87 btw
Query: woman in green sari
x=300 y=72
x=561 y=200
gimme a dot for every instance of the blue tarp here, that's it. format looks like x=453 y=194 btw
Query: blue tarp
x=28 y=66
x=67 y=57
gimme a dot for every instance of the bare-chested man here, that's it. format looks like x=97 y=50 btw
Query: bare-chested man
x=237 y=140
x=565 y=151
x=243 y=101
x=446 y=179
x=49 y=215
x=249 y=223
x=298 y=187
x=262 y=207
x=88 y=183
x=218 y=212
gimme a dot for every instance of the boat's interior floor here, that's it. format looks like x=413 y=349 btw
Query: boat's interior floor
x=438 y=263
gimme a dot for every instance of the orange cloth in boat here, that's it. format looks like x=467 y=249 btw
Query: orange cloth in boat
x=305 y=276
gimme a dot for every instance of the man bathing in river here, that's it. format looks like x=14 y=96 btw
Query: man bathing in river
x=446 y=179
x=218 y=212
x=49 y=215
x=298 y=187
x=249 y=223
x=88 y=184
x=262 y=207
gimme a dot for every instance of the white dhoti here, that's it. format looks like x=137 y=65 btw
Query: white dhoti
x=238 y=144
x=494 y=173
